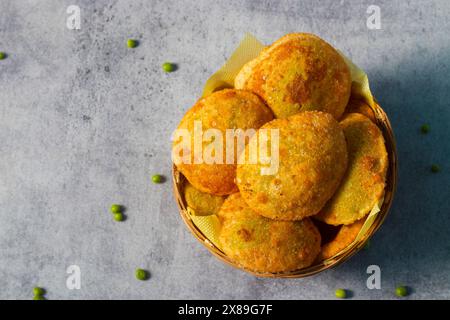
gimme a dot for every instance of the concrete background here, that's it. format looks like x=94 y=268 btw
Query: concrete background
x=85 y=122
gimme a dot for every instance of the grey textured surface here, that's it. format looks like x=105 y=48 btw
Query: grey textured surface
x=84 y=122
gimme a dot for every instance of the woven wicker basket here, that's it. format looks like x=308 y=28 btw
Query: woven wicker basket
x=380 y=118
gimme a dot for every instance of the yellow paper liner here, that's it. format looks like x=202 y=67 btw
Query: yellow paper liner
x=360 y=82
x=369 y=220
x=249 y=49
x=208 y=225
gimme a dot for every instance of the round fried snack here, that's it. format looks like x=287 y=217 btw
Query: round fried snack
x=266 y=245
x=345 y=237
x=298 y=72
x=202 y=203
x=222 y=110
x=312 y=161
x=363 y=184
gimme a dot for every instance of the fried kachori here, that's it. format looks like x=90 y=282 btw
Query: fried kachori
x=312 y=162
x=265 y=245
x=202 y=203
x=345 y=236
x=222 y=110
x=298 y=72
x=363 y=184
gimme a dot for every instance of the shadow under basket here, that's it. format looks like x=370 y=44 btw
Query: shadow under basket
x=379 y=117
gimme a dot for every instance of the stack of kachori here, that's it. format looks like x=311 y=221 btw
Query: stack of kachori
x=331 y=158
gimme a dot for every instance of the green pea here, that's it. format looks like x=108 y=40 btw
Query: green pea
x=131 y=43
x=157 y=178
x=142 y=274
x=169 y=67
x=401 y=291
x=435 y=168
x=367 y=245
x=118 y=216
x=116 y=208
x=425 y=128
x=2 y=55
x=37 y=291
x=38 y=298
x=341 y=293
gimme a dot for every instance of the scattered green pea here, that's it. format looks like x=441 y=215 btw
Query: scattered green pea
x=341 y=293
x=131 y=43
x=118 y=216
x=37 y=291
x=38 y=298
x=168 y=67
x=142 y=274
x=157 y=178
x=401 y=291
x=2 y=55
x=425 y=128
x=116 y=208
x=435 y=168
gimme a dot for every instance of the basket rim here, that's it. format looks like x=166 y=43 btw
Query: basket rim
x=382 y=121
